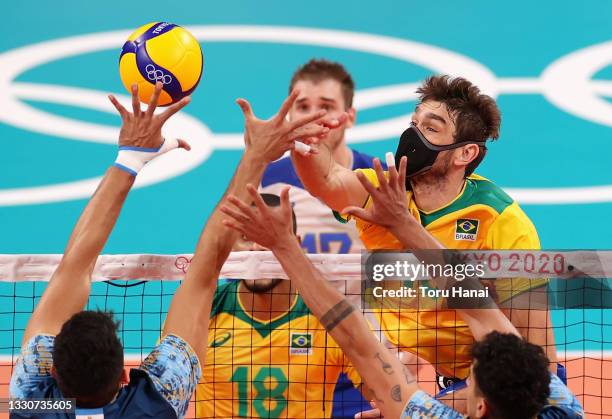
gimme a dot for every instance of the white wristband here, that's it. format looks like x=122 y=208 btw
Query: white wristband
x=133 y=159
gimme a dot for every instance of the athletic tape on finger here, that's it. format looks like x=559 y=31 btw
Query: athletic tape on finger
x=302 y=148
x=390 y=159
x=132 y=159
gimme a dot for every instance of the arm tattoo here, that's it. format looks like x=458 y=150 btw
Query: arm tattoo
x=336 y=314
x=385 y=365
x=409 y=378
x=396 y=393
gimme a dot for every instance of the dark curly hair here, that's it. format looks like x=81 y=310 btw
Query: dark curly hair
x=88 y=358
x=512 y=375
x=476 y=115
x=319 y=69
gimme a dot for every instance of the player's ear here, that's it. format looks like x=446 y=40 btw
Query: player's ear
x=352 y=117
x=124 y=378
x=54 y=372
x=466 y=154
x=481 y=408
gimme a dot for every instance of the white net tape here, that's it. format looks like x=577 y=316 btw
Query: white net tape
x=255 y=265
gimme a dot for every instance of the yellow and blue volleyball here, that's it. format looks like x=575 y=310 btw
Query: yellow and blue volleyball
x=164 y=52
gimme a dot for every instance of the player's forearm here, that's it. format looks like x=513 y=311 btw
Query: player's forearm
x=480 y=314
x=216 y=240
x=97 y=221
x=390 y=383
x=324 y=301
x=317 y=293
x=69 y=288
x=313 y=169
x=412 y=235
x=317 y=173
x=189 y=312
x=484 y=321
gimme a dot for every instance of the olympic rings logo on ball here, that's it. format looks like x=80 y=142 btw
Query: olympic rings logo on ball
x=156 y=75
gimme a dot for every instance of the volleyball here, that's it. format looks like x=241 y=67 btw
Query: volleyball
x=164 y=52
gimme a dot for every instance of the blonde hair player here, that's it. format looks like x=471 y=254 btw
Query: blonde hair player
x=268 y=355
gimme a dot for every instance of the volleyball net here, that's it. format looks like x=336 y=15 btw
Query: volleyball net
x=310 y=373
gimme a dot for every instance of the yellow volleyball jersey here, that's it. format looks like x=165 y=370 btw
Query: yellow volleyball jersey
x=283 y=368
x=481 y=217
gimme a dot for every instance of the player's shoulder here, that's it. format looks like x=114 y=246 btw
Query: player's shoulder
x=281 y=171
x=363 y=163
x=141 y=391
x=561 y=402
x=300 y=308
x=509 y=221
x=362 y=160
x=483 y=191
x=225 y=298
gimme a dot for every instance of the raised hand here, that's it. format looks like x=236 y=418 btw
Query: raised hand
x=389 y=207
x=271 y=138
x=330 y=122
x=270 y=227
x=140 y=138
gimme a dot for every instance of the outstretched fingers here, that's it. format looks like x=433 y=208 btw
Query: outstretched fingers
x=392 y=170
x=245 y=209
x=298 y=123
x=357 y=212
x=402 y=173
x=154 y=99
x=174 y=108
x=337 y=122
x=284 y=197
x=285 y=203
x=135 y=100
x=259 y=202
x=367 y=185
x=183 y=144
x=286 y=106
x=120 y=108
x=234 y=225
x=380 y=174
x=309 y=131
x=236 y=215
x=245 y=106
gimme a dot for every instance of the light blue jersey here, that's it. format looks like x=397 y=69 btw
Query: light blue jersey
x=561 y=404
x=161 y=387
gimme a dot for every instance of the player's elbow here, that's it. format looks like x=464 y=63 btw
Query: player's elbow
x=317 y=186
x=329 y=191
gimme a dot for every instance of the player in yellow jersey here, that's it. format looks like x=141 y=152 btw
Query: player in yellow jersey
x=508 y=379
x=455 y=208
x=268 y=356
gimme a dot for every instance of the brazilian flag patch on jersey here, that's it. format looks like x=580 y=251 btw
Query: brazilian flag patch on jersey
x=466 y=229
x=301 y=344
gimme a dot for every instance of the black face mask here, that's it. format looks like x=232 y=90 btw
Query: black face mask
x=421 y=153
